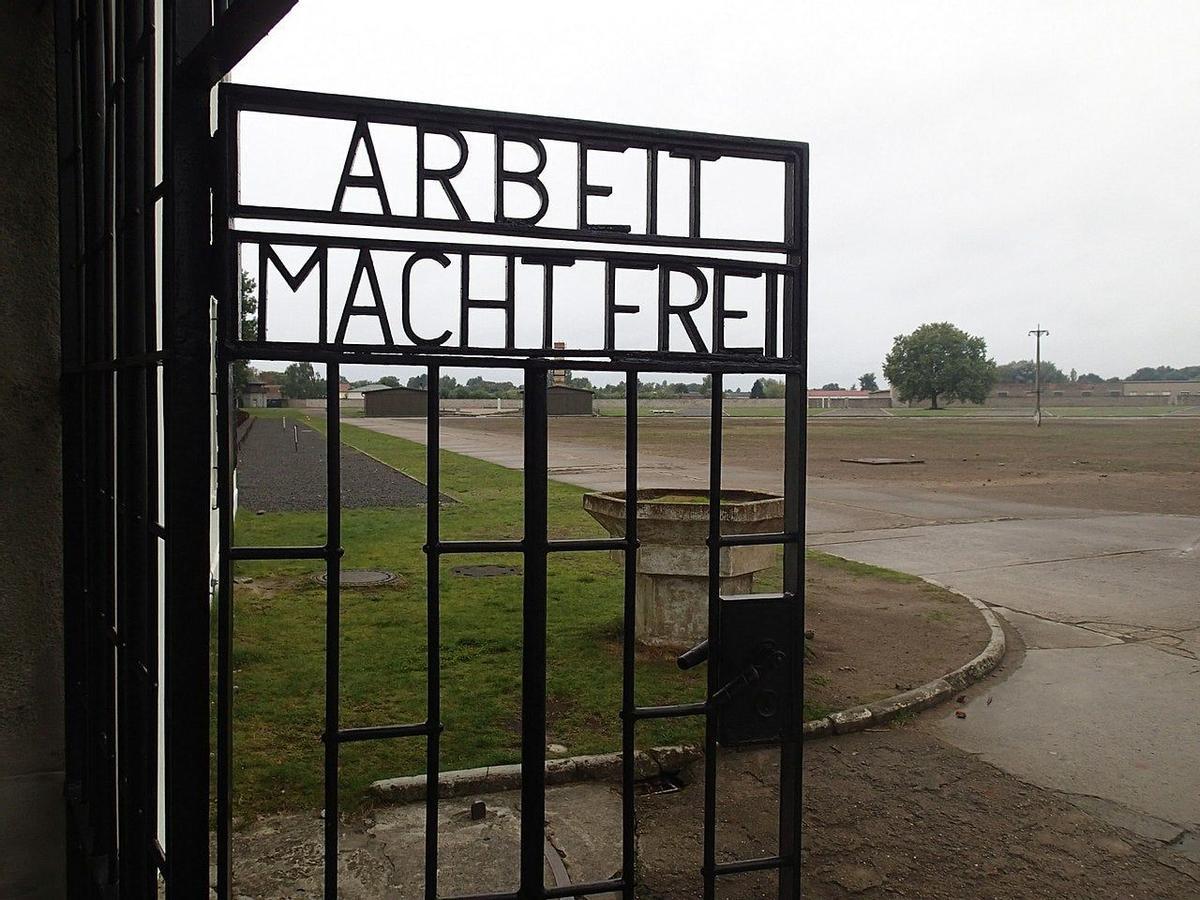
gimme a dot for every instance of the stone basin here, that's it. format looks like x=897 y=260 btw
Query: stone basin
x=672 y=562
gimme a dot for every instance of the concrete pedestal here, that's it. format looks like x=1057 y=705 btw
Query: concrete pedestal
x=672 y=562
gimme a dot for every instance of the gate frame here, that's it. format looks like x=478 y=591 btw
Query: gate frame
x=535 y=545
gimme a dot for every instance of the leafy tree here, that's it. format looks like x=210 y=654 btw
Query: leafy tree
x=247 y=326
x=390 y=381
x=612 y=391
x=420 y=382
x=1022 y=371
x=1091 y=378
x=1166 y=373
x=940 y=361
x=300 y=382
x=867 y=382
x=774 y=388
x=832 y=386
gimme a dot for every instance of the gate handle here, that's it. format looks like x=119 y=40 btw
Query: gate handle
x=692 y=658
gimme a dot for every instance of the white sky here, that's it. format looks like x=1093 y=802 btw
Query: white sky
x=994 y=165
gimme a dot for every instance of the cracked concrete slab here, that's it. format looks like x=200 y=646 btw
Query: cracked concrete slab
x=1046 y=634
x=1147 y=826
x=1118 y=722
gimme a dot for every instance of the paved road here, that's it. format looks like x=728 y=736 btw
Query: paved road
x=1106 y=702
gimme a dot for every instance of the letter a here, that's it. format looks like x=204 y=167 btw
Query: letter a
x=362 y=134
x=365 y=264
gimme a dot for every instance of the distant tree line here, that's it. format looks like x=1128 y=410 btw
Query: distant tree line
x=1021 y=371
x=1166 y=373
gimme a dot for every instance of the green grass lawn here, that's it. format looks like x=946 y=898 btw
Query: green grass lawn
x=278 y=652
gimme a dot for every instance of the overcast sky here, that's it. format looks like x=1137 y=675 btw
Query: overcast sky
x=995 y=165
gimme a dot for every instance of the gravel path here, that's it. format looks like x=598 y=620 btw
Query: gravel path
x=275 y=476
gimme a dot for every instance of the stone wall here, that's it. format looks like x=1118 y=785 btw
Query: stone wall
x=31 y=680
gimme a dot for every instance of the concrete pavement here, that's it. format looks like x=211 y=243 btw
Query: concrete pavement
x=1106 y=703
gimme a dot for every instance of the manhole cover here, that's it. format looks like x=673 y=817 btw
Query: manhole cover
x=361 y=578
x=485 y=571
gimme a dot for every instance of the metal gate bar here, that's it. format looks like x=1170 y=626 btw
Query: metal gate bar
x=629 y=644
x=535 y=544
x=333 y=597
x=716 y=433
x=533 y=640
x=433 y=623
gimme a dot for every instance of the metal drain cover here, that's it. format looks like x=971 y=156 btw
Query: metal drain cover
x=361 y=578
x=486 y=571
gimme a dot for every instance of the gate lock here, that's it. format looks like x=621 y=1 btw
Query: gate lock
x=753 y=668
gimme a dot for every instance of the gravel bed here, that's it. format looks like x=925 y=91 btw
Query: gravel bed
x=275 y=476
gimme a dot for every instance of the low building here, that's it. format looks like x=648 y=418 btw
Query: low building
x=1181 y=393
x=848 y=399
x=1022 y=395
x=259 y=394
x=394 y=402
x=568 y=401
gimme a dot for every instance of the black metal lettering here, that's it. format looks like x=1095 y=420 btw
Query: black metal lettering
x=771 y=324
x=365 y=264
x=508 y=304
x=374 y=181
x=611 y=306
x=720 y=313
x=695 y=157
x=319 y=259
x=594 y=190
x=548 y=265
x=441 y=176
x=405 y=302
x=651 y=191
x=530 y=178
x=666 y=310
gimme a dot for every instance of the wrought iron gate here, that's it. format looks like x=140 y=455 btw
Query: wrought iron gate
x=780 y=263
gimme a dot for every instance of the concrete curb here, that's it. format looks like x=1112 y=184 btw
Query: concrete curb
x=488 y=779
x=671 y=760
x=857 y=718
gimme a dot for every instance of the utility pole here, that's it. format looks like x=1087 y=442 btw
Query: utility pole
x=1037 y=373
